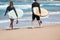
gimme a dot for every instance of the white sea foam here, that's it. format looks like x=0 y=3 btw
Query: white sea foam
x=17 y=6
x=52 y=13
x=50 y=4
x=4 y=21
x=52 y=22
x=3 y=6
x=54 y=4
x=25 y=6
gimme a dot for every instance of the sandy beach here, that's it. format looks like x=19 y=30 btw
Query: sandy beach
x=49 y=32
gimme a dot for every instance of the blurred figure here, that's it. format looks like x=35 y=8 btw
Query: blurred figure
x=9 y=8
x=36 y=4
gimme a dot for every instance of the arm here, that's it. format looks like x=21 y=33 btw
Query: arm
x=6 y=12
x=16 y=15
x=15 y=12
x=39 y=8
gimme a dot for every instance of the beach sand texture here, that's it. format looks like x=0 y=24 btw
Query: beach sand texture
x=49 y=32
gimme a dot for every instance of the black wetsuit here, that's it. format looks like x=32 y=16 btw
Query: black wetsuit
x=35 y=4
x=9 y=9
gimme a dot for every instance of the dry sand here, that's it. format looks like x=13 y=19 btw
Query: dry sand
x=49 y=32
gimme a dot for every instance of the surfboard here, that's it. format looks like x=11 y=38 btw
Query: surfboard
x=12 y=14
x=44 y=12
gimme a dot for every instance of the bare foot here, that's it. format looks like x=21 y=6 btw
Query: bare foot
x=32 y=27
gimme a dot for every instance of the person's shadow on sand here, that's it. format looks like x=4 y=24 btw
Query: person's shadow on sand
x=23 y=28
x=13 y=29
x=33 y=28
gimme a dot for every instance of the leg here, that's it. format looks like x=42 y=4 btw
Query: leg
x=11 y=24
x=39 y=21
x=33 y=23
x=33 y=18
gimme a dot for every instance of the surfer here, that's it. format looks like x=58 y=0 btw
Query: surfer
x=36 y=4
x=9 y=8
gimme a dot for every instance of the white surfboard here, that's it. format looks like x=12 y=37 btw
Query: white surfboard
x=44 y=12
x=12 y=14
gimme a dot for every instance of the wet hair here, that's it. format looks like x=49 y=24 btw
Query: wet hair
x=35 y=0
x=11 y=2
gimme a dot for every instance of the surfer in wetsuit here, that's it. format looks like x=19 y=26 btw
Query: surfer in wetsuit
x=9 y=8
x=35 y=4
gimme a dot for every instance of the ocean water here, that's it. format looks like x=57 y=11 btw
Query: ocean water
x=52 y=18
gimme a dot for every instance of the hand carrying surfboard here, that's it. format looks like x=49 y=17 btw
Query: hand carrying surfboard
x=44 y=12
